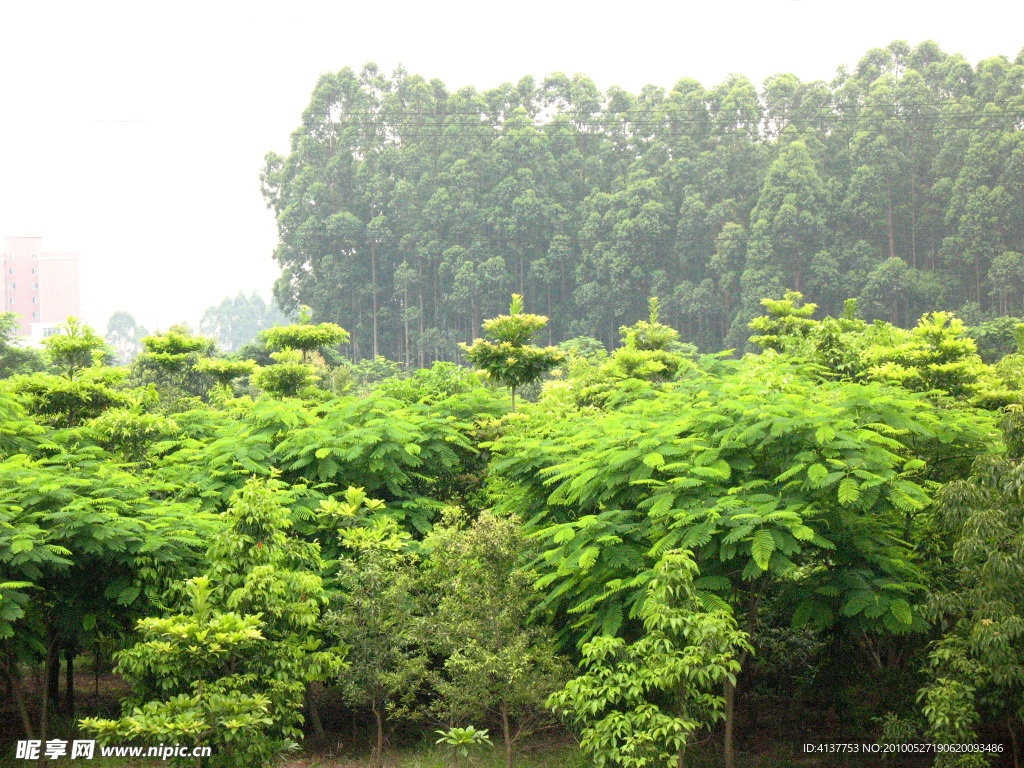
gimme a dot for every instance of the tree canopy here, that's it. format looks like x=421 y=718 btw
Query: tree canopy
x=408 y=211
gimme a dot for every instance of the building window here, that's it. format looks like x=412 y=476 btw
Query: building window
x=35 y=270
x=35 y=285
x=12 y=270
x=35 y=315
x=12 y=299
x=35 y=255
x=35 y=299
x=10 y=256
x=13 y=286
x=48 y=332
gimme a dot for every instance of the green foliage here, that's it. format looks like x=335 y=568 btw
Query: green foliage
x=288 y=377
x=84 y=548
x=977 y=668
x=586 y=347
x=786 y=321
x=840 y=345
x=74 y=348
x=376 y=370
x=306 y=338
x=230 y=671
x=431 y=385
x=15 y=358
x=462 y=741
x=360 y=378
x=169 y=360
x=506 y=356
x=224 y=370
x=997 y=338
x=373 y=614
x=292 y=374
x=59 y=401
x=639 y=704
x=18 y=433
x=496 y=663
x=650 y=353
x=131 y=432
x=410 y=231
x=649 y=335
x=938 y=355
x=762 y=469
x=174 y=351
x=225 y=711
x=414 y=456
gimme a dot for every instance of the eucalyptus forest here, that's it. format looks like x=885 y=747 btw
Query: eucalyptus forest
x=408 y=214
x=590 y=430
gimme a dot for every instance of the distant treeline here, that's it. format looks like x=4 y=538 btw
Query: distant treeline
x=408 y=213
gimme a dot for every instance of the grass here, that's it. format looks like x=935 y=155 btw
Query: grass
x=413 y=747
x=540 y=753
x=537 y=754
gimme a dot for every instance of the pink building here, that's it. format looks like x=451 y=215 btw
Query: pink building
x=41 y=287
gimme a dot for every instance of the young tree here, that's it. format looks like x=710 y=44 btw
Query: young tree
x=497 y=663
x=231 y=670
x=87 y=544
x=80 y=387
x=373 y=615
x=506 y=355
x=170 y=361
x=977 y=667
x=650 y=353
x=75 y=348
x=225 y=371
x=292 y=371
x=639 y=704
x=305 y=337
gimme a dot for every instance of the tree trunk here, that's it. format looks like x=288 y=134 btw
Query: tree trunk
x=51 y=655
x=373 y=288
x=1014 y=745
x=405 y=321
x=419 y=290
x=888 y=208
x=551 y=326
x=70 y=651
x=437 y=300
x=378 y=759
x=309 y=701
x=730 y=715
x=52 y=673
x=13 y=677
x=507 y=734
x=913 y=219
x=355 y=335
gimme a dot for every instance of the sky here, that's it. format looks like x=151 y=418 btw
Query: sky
x=134 y=132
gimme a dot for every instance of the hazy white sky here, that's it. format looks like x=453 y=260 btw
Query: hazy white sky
x=134 y=132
